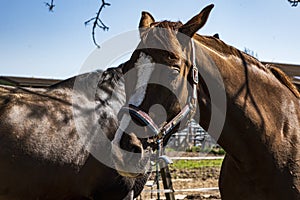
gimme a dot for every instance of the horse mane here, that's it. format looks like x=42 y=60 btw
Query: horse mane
x=284 y=79
x=111 y=82
x=224 y=49
x=167 y=24
x=110 y=79
x=112 y=74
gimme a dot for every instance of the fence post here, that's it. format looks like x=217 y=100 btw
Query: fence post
x=164 y=162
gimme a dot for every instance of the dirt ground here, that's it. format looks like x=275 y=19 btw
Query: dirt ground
x=189 y=179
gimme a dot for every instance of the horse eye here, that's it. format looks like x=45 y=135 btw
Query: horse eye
x=172 y=56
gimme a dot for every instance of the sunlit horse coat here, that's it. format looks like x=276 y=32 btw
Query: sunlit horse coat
x=41 y=154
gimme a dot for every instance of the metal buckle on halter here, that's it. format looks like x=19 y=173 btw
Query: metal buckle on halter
x=195 y=80
x=195 y=69
x=195 y=75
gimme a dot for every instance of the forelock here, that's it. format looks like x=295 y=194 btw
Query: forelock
x=162 y=35
x=167 y=24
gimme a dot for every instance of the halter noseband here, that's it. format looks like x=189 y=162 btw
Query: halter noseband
x=186 y=113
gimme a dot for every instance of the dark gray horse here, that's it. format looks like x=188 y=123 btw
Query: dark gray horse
x=42 y=153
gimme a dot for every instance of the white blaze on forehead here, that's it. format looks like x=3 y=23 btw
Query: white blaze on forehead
x=145 y=67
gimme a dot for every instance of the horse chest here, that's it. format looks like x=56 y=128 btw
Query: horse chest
x=260 y=181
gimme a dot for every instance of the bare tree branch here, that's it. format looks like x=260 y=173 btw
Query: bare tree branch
x=294 y=3
x=50 y=5
x=97 y=22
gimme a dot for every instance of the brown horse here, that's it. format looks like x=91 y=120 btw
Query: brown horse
x=43 y=155
x=252 y=110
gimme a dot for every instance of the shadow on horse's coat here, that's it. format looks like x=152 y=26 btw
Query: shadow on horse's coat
x=41 y=153
x=260 y=107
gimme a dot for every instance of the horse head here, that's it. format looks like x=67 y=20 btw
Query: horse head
x=160 y=85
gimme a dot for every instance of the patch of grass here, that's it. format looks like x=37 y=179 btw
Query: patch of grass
x=3 y=82
x=215 y=151
x=218 y=151
x=193 y=149
x=196 y=164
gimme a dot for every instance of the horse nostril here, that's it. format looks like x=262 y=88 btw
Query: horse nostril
x=130 y=143
x=136 y=149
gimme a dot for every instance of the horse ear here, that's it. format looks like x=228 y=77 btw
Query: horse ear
x=197 y=22
x=216 y=36
x=146 y=20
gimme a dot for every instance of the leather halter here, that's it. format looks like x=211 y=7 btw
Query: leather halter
x=186 y=113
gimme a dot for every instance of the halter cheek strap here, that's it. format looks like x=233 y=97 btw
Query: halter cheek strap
x=186 y=113
x=195 y=71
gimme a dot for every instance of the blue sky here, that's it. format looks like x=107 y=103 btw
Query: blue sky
x=38 y=43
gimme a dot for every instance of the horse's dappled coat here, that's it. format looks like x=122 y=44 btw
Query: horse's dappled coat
x=42 y=154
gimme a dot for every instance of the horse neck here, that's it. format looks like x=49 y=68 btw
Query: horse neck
x=110 y=94
x=98 y=97
x=255 y=112
x=110 y=98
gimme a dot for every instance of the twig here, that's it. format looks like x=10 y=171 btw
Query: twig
x=294 y=2
x=50 y=5
x=97 y=22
